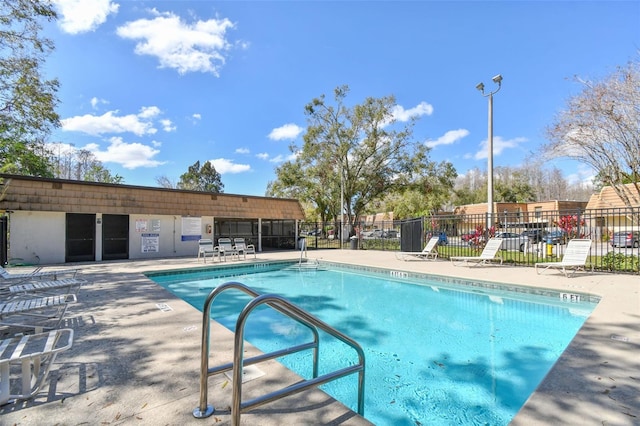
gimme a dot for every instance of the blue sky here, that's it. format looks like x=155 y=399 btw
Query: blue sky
x=151 y=87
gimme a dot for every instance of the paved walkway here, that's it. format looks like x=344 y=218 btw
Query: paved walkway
x=136 y=354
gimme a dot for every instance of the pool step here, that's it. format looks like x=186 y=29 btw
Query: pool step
x=313 y=265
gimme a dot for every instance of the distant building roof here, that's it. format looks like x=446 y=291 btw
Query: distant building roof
x=608 y=198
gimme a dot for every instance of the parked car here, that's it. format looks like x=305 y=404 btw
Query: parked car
x=391 y=234
x=379 y=233
x=625 y=239
x=512 y=241
x=376 y=233
x=535 y=235
x=556 y=237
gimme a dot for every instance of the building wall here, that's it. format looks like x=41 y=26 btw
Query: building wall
x=37 y=237
x=37 y=194
x=38 y=207
x=169 y=230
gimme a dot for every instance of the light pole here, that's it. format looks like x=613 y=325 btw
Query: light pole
x=498 y=80
x=341 y=206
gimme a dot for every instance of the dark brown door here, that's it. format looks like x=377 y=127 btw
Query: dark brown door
x=80 y=237
x=115 y=236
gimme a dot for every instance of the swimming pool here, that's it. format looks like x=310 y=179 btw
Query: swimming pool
x=438 y=351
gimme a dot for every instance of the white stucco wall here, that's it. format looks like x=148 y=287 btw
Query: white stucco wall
x=167 y=231
x=39 y=237
x=36 y=237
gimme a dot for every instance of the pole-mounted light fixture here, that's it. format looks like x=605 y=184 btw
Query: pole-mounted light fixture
x=480 y=86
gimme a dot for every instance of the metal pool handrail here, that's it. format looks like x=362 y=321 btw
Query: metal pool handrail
x=287 y=308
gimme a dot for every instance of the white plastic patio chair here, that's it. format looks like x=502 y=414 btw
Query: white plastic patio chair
x=242 y=248
x=489 y=254
x=574 y=258
x=225 y=248
x=37 y=273
x=32 y=355
x=69 y=285
x=206 y=248
x=430 y=251
x=35 y=313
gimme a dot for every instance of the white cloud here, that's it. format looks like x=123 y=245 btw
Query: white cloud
x=448 y=138
x=196 y=116
x=499 y=145
x=128 y=155
x=149 y=112
x=223 y=166
x=287 y=132
x=110 y=122
x=80 y=16
x=583 y=175
x=167 y=125
x=96 y=101
x=278 y=158
x=401 y=114
x=195 y=47
x=242 y=151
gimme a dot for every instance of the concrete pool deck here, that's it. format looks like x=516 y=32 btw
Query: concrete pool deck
x=136 y=354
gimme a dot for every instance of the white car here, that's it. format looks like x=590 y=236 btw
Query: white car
x=512 y=241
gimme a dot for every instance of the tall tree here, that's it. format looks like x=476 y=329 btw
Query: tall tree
x=27 y=99
x=80 y=164
x=204 y=178
x=601 y=127
x=359 y=154
x=530 y=182
x=164 y=182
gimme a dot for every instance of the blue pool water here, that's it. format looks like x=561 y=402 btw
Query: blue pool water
x=436 y=353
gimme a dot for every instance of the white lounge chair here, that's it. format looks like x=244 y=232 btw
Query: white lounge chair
x=37 y=273
x=430 y=251
x=574 y=258
x=489 y=254
x=206 y=248
x=35 y=313
x=32 y=355
x=242 y=248
x=70 y=285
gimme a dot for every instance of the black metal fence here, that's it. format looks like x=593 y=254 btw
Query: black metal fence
x=528 y=237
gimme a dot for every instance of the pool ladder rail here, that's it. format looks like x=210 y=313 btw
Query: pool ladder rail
x=287 y=308
x=306 y=265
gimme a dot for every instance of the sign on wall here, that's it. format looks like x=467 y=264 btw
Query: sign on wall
x=191 y=228
x=142 y=225
x=150 y=243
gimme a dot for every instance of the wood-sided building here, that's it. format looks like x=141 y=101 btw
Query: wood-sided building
x=55 y=220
